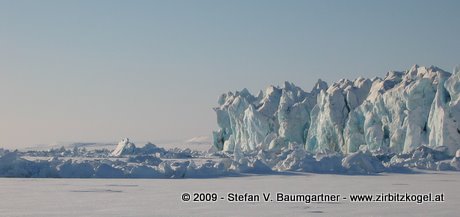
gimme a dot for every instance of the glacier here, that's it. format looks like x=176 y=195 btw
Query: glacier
x=404 y=121
x=394 y=114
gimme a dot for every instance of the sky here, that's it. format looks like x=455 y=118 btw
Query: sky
x=96 y=71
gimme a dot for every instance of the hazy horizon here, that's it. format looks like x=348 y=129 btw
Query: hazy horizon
x=96 y=71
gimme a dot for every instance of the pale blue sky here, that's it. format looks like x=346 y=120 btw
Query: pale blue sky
x=152 y=70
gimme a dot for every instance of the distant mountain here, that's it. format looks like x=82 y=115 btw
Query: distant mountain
x=70 y=145
x=199 y=140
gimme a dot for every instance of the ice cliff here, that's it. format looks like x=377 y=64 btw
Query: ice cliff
x=394 y=114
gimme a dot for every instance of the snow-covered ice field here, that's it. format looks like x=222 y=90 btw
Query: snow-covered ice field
x=161 y=197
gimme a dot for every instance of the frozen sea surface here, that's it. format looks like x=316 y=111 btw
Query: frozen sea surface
x=161 y=197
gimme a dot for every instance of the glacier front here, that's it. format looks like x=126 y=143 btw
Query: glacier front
x=395 y=114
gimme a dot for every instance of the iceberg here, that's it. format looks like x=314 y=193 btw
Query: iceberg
x=124 y=147
x=108 y=171
x=12 y=165
x=71 y=169
x=362 y=162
